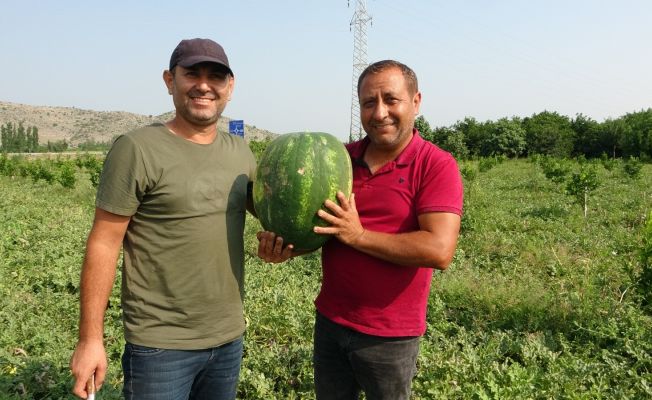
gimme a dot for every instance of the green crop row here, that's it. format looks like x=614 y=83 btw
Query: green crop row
x=60 y=170
x=540 y=301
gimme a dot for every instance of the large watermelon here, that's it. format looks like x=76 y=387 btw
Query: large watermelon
x=297 y=172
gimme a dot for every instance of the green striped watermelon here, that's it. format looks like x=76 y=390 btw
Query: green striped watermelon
x=297 y=172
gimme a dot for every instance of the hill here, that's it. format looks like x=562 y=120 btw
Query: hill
x=77 y=125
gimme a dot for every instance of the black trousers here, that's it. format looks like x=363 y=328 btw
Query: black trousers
x=347 y=362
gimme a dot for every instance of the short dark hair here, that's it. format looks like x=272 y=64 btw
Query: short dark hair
x=379 y=66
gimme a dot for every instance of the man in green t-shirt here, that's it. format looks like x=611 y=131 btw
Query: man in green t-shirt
x=174 y=195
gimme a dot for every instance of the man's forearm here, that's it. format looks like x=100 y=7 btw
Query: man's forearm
x=98 y=275
x=413 y=249
x=98 y=271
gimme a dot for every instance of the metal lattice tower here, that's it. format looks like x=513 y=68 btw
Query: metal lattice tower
x=359 y=25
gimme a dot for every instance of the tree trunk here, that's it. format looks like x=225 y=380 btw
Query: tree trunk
x=586 y=203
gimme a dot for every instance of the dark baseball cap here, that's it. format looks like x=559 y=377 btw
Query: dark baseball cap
x=194 y=51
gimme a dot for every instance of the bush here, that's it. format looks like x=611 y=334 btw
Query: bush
x=41 y=170
x=469 y=172
x=66 y=175
x=555 y=169
x=607 y=162
x=487 y=163
x=632 y=167
x=581 y=184
x=645 y=277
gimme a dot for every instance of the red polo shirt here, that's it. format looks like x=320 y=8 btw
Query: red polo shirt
x=365 y=293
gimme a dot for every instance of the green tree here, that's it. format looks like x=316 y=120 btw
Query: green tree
x=18 y=138
x=581 y=184
x=638 y=141
x=455 y=145
x=8 y=137
x=439 y=134
x=3 y=139
x=422 y=125
x=450 y=140
x=588 y=137
x=473 y=132
x=33 y=136
x=21 y=138
x=612 y=134
x=504 y=137
x=549 y=133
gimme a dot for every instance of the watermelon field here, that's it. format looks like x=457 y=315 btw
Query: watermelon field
x=549 y=295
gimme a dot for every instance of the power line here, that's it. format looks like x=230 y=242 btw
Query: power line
x=359 y=24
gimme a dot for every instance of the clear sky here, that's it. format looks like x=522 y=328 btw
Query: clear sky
x=293 y=59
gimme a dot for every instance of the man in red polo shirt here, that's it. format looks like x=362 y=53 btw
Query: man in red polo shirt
x=401 y=222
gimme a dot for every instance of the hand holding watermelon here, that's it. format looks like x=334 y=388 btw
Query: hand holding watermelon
x=343 y=220
x=270 y=248
x=345 y=225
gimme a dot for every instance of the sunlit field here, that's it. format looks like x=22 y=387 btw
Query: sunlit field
x=540 y=302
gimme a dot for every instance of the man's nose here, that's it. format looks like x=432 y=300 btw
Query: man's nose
x=380 y=111
x=202 y=84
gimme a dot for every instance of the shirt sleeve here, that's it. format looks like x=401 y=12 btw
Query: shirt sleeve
x=123 y=180
x=441 y=188
x=252 y=164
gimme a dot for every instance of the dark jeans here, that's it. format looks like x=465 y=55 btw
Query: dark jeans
x=160 y=374
x=346 y=362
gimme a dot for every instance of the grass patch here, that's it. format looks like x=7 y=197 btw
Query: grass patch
x=539 y=303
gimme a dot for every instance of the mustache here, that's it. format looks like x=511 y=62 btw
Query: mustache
x=386 y=121
x=206 y=95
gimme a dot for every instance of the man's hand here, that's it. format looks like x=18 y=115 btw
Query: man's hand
x=89 y=358
x=344 y=220
x=270 y=248
x=431 y=245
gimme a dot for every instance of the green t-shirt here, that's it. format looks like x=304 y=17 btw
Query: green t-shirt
x=183 y=272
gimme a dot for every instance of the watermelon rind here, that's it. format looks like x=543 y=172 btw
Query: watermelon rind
x=296 y=173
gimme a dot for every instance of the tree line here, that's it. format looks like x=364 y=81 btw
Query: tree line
x=16 y=138
x=546 y=133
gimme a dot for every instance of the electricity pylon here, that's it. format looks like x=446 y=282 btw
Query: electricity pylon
x=359 y=25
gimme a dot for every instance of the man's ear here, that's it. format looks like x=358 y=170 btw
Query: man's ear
x=231 y=87
x=417 y=102
x=168 y=78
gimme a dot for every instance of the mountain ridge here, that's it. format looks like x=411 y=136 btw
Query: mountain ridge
x=77 y=125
